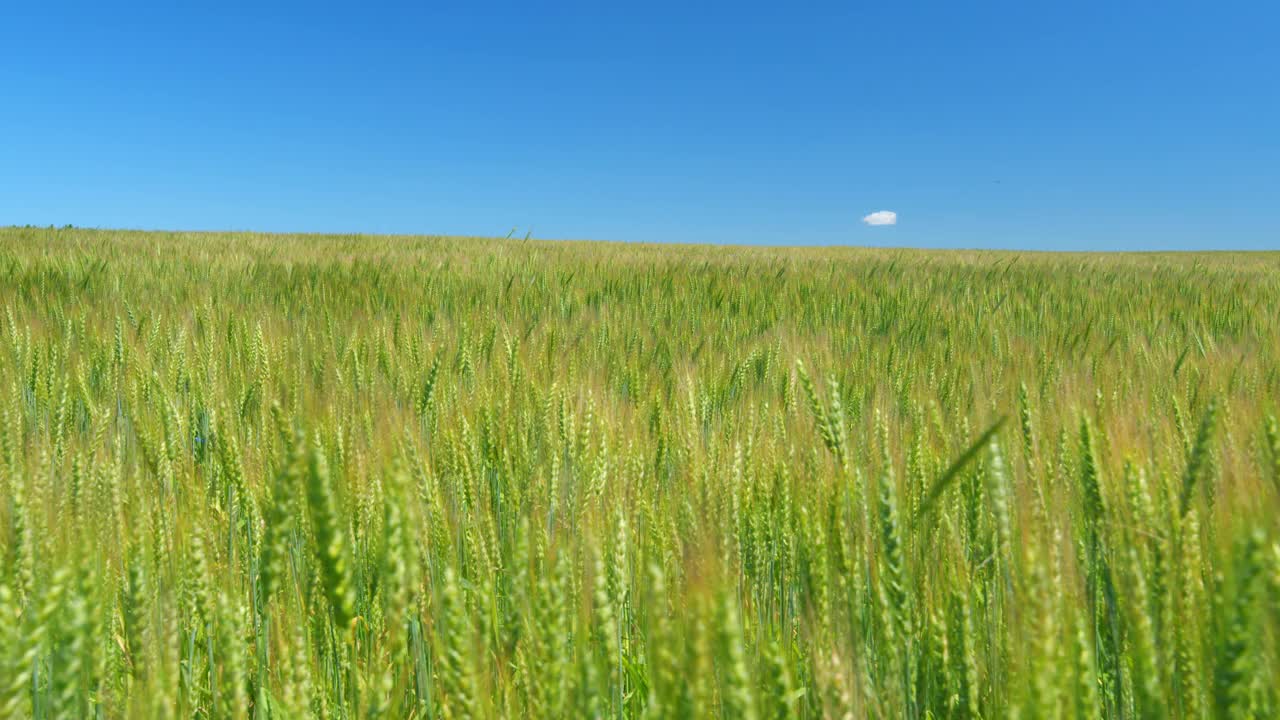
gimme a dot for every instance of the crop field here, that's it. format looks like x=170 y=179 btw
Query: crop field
x=269 y=476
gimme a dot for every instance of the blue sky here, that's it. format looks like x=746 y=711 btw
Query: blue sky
x=1027 y=125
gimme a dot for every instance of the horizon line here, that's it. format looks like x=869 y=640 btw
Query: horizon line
x=648 y=243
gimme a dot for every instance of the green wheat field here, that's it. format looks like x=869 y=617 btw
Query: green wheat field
x=270 y=476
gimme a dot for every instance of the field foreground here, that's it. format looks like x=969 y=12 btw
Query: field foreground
x=316 y=476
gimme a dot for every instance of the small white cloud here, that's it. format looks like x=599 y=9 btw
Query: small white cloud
x=881 y=217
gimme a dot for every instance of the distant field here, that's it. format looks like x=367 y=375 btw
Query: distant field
x=280 y=476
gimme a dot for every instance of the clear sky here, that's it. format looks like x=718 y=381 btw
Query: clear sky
x=1007 y=124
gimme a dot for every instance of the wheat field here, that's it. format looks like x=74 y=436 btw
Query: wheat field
x=272 y=476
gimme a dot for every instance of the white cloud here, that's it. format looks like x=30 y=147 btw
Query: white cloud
x=881 y=217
